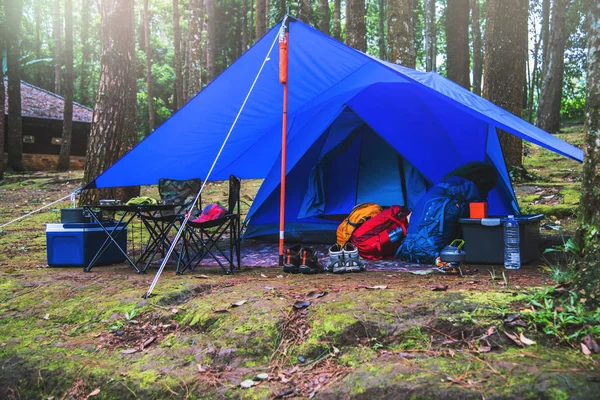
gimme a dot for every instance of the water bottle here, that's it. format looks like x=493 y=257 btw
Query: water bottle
x=512 y=251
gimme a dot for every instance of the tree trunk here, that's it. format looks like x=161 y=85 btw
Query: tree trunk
x=114 y=122
x=457 y=39
x=305 y=11
x=548 y=113
x=545 y=30
x=477 y=47
x=177 y=56
x=65 y=146
x=261 y=23
x=211 y=39
x=244 y=25
x=149 y=88
x=401 y=34
x=85 y=53
x=38 y=42
x=587 y=281
x=13 y=12
x=56 y=33
x=382 y=42
x=324 y=16
x=534 y=74
x=355 y=24
x=337 y=19
x=430 y=35
x=2 y=106
x=194 y=64
x=506 y=50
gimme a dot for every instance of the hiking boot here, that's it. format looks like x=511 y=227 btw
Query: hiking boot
x=292 y=259
x=310 y=262
x=336 y=260
x=352 y=258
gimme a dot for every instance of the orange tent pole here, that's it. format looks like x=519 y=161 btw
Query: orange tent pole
x=283 y=79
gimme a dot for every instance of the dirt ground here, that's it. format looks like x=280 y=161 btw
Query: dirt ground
x=259 y=333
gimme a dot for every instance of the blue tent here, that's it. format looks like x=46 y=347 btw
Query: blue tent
x=359 y=129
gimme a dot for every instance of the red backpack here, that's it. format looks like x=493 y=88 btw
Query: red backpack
x=380 y=236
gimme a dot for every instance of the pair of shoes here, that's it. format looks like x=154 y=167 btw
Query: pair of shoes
x=344 y=259
x=300 y=259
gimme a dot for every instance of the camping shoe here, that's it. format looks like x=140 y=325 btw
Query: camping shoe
x=336 y=259
x=292 y=259
x=352 y=259
x=310 y=262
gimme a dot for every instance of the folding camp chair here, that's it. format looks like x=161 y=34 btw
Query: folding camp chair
x=207 y=238
x=180 y=194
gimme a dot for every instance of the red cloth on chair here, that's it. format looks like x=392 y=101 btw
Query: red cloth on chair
x=210 y=213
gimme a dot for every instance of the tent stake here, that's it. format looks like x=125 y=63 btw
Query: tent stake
x=283 y=79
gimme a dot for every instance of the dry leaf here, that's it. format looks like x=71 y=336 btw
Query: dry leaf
x=201 y=368
x=201 y=276
x=439 y=288
x=315 y=295
x=221 y=311
x=148 y=342
x=514 y=338
x=174 y=311
x=238 y=303
x=591 y=343
x=585 y=350
x=128 y=351
x=263 y=276
x=46 y=317
x=526 y=341
x=248 y=383
x=336 y=350
x=484 y=349
x=301 y=304
x=279 y=276
x=94 y=393
x=378 y=287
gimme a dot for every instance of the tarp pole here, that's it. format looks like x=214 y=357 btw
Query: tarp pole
x=283 y=79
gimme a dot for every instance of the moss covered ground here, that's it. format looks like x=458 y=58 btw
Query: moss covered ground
x=65 y=334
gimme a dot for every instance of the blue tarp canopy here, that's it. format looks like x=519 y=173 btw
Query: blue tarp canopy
x=359 y=129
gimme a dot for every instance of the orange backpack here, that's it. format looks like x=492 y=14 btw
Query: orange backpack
x=359 y=214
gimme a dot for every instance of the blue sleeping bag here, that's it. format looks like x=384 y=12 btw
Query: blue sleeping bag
x=434 y=222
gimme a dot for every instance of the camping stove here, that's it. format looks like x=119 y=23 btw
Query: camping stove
x=451 y=258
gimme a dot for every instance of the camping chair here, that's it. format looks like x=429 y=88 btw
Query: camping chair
x=180 y=193
x=204 y=238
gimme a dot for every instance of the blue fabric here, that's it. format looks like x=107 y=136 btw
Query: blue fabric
x=432 y=124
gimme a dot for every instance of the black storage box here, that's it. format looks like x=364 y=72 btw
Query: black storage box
x=77 y=216
x=484 y=238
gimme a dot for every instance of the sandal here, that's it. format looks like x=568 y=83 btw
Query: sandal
x=336 y=260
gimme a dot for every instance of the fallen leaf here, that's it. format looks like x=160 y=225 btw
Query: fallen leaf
x=148 y=342
x=301 y=304
x=95 y=392
x=248 y=383
x=174 y=311
x=315 y=295
x=279 y=276
x=238 y=303
x=484 y=349
x=128 y=351
x=201 y=276
x=262 y=377
x=526 y=341
x=336 y=350
x=378 y=287
x=585 y=350
x=2 y=344
x=46 y=317
x=201 y=368
x=123 y=374
x=221 y=311
x=514 y=338
x=263 y=276
x=269 y=288
x=439 y=288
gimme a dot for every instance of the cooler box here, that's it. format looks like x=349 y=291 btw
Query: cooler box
x=484 y=238
x=75 y=244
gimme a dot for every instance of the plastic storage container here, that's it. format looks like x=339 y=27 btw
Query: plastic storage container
x=74 y=245
x=484 y=238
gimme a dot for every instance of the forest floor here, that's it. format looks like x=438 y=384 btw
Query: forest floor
x=65 y=334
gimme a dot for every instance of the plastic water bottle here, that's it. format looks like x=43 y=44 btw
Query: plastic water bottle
x=512 y=251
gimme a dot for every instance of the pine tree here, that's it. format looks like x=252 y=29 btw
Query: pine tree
x=177 y=57
x=13 y=13
x=430 y=35
x=355 y=24
x=65 y=146
x=401 y=35
x=149 y=86
x=457 y=38
x=477 y=47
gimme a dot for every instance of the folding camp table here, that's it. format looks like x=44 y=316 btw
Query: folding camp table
x=158 y=229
